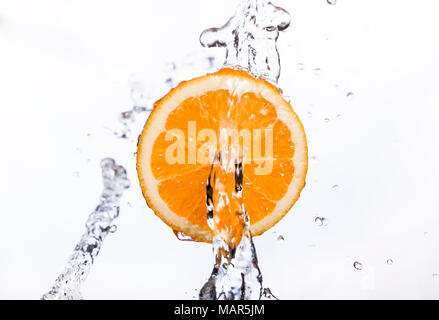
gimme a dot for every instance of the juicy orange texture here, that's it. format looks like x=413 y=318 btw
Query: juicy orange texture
x=177 y=192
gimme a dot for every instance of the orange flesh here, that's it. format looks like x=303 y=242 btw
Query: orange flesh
x=183 y=186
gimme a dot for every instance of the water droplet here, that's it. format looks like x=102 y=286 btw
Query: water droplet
x=358 y=265
x=321 y=221
x=268 y=295
x=338 y=116
x=335 y=187
x=317 y=71
x=331 y=2
x=327 y=120
x=389 y=261
x=181 y=236
x=280 y=238
x=300 y=66
x=211 y=61
x=314 y=158
x=76 y=174
x=350 y=95
x=112 y=229
x=434 y=275
x=309 y=114
x=170 y=67
x=169 y=82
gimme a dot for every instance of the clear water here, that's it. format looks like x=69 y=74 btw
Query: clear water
x=249 y=38
x=99 y=225
x=236 y=274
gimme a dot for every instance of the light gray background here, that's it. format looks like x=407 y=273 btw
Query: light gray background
x=65 y=71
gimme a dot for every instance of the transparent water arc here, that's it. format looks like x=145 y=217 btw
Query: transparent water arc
x=249 y=38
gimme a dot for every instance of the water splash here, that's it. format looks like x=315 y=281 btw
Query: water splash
x=99 y=224
x=268 y=295
x=358 y=265
x=321 y=221
x=236 y=275
x=182 y=237
x=141 y=94
x=249 y=38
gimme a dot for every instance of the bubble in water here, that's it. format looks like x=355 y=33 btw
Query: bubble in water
x=321 y=221
x=350 y=95
x=335 y=187
x=309 y=114
x=300 y=66
x=389 y=261
x=434 y=275
x=317 y=71
x=326 y=119
x=331 y=2
x=358 y=265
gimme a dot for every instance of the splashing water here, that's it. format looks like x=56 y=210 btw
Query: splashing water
x=236 y=275
x=99 y=224
x=250 y=38
x=141 y=94
x=358 y=265
x=321 y=221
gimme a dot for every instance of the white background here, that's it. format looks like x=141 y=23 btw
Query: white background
x=65 y=70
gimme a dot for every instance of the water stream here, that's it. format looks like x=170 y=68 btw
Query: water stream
x=100 y=223
x=249 y=38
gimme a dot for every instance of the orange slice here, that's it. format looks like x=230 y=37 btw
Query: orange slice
x=171 y=149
